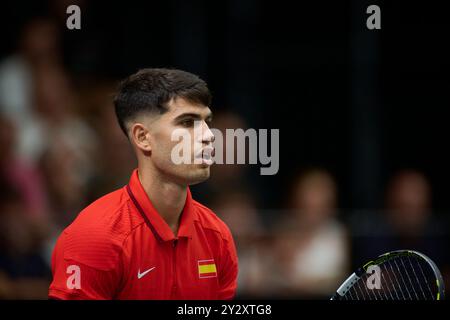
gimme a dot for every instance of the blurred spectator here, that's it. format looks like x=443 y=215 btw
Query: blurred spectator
x=410 y=219
x=408 y=202
x=407 y=222
x=116 y=160
x=64 y=144
x=22 y=175
x=311 y=246
x=24 y=273
x=36 y=94
x=55 y=107
x=38 y=48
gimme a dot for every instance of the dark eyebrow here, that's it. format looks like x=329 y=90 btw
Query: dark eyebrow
x=194 y=116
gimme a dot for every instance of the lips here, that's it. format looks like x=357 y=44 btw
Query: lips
x=206 y=155
x=208 y=152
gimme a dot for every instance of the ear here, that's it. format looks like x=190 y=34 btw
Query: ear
x=140 y=136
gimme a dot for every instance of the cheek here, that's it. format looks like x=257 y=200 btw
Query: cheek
x=161 y=153
x=163 y=146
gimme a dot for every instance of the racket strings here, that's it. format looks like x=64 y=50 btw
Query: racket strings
x=401 y=278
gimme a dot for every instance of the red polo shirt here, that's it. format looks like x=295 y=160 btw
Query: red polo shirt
x=119 y=247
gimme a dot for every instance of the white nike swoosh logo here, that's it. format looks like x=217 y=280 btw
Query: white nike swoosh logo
x=140 y=275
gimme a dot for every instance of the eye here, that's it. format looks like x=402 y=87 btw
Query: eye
x=187 y=123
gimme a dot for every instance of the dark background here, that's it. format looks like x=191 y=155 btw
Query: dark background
x=359 y=102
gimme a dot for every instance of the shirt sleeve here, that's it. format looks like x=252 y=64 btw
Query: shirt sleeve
x=229 y=269
x=78 y=277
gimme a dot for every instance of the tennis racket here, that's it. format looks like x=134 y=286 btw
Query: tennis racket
x=396 y=275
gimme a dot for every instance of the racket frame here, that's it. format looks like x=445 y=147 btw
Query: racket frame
x=354 y=277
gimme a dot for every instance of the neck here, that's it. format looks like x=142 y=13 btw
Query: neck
x=167 y=197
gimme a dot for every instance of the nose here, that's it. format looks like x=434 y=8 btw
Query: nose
x=207 y=135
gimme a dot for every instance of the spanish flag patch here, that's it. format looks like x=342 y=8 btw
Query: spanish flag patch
x=207 y=269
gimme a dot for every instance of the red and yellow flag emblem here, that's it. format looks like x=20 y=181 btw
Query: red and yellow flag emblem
x=207 y=268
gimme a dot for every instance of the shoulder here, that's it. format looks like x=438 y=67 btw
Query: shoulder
x=210 y=221
x=96 y=237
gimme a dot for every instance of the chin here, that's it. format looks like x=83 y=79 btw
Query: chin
x=199 y=174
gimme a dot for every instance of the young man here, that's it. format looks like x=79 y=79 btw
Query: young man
x=150 y=239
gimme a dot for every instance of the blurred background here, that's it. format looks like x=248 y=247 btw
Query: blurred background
x=363 y=120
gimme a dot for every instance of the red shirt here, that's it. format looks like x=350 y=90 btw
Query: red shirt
x=119 y=247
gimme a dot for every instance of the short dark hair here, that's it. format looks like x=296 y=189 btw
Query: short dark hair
x=149 y=90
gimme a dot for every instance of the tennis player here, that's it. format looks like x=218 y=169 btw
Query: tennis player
x=150 y=239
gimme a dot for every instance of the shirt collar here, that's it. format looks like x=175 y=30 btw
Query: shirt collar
x=153 y=219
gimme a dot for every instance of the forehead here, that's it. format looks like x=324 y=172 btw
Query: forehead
x=180 y=106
